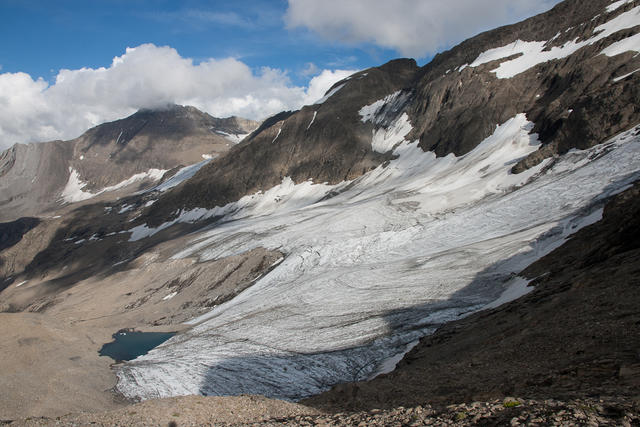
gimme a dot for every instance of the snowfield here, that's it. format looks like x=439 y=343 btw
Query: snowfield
x=374 y=264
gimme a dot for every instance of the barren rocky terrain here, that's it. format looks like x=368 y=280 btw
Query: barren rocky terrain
x=479 y=223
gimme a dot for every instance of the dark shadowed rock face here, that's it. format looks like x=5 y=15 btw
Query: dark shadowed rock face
x=574 y=102
x=12 y=232
x=32 y=176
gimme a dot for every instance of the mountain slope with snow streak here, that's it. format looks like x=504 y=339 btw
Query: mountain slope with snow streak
x=127 y=153
x=404 y=248
x=562 y=69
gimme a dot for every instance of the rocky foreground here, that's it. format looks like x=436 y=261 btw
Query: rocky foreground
x=259 y=411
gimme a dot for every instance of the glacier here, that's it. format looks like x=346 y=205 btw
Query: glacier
x=373 y=264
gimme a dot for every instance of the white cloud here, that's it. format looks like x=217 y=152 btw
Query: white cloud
x=412 y=27
x=145 y=77
x=310 y=69
x=322 y=82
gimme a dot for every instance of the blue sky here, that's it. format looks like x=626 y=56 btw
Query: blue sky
x=68 y=65
x=42 y=36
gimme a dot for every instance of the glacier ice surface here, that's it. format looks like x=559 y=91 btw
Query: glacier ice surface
x=372 y=265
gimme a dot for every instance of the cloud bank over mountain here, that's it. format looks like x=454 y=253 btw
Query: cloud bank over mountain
x=146 y=76
x=414 y=28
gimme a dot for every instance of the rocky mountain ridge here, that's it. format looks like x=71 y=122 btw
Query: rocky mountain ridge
x=575 y=95
x=40 y=176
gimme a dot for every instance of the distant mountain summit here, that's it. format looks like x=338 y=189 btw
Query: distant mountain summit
x=40 y=176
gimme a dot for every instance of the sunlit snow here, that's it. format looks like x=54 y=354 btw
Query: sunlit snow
x=374 y=264
x=182 y=175
x=313 y=119
x=624 y=76
x=617 y=4
x=532 y=53
x=73 y=192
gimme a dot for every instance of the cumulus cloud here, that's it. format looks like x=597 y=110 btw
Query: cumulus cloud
x=322 y=82
x=310 y=69
x=147 y=76
x=412 y=27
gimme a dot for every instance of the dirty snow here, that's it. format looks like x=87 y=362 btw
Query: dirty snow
x=380 y=262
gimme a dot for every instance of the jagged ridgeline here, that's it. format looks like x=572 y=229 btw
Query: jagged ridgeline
x=566 y=69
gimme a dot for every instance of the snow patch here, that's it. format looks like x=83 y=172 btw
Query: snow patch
x=389 y=365
x=168 y=297
x=532 y=53
x=384 y=109
x=312 y=119
x=385 y=140
x=73 y=189
x=125 y=208
x=182 y=175
x=236 y=138
x=617 y=79
x=617 y=5
x=284 y=197
x=631 y=43
x=277 y=135
x=152 y=174
x=515 y=288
